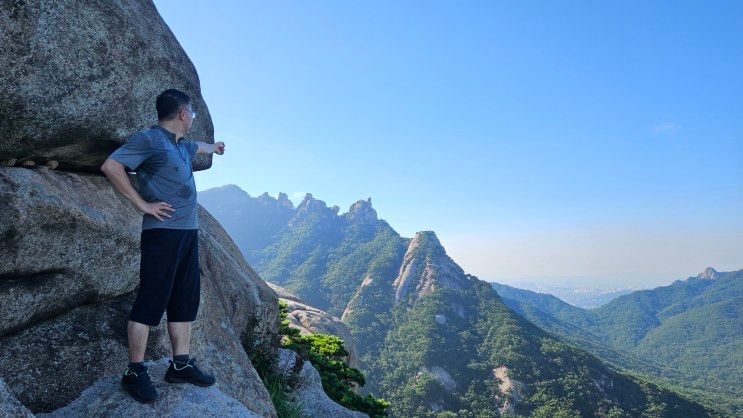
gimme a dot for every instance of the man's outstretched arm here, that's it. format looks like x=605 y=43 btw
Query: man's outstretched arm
x=116 y=174
x=204 y=148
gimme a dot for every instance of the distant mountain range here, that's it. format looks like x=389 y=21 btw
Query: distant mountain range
x=693 y=328
x=576 y=295
x=432 y=339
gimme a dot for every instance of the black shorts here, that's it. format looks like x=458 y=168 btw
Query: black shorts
x=168 y=276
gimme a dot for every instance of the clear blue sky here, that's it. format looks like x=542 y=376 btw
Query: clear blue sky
x=540 y=140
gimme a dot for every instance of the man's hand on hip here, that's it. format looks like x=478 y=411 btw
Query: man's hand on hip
x=157 y=209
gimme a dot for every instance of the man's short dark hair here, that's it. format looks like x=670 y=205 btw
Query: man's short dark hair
x=169 y=103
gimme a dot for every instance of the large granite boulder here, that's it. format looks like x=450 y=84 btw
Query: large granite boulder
x=79 y=77
x=65 y=239
x=57 y=342
x=309 y=320
x=106 y=399
x=10 y=406
x=50 y=363
x=283 y=293
x=307 y=390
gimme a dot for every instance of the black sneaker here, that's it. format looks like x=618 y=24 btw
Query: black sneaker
x=138 y=385
x=188 y=373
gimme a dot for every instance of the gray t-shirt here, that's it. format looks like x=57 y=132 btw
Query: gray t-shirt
x=164 y=174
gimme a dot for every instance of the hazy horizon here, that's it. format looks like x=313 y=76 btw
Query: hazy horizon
x=599 y=140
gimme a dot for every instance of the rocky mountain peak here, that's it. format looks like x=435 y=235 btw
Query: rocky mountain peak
x=429 y=239
x=426 y=267
x=309 y=205
x=231 y=189
x=708 y=274
x=362 y=211
x=283 y=200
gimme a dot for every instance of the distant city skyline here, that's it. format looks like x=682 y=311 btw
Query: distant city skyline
x=538 y=140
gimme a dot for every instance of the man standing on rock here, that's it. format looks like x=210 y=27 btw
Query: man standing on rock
x=169 y=268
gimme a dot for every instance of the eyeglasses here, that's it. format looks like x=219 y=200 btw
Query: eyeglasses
x=192 y=111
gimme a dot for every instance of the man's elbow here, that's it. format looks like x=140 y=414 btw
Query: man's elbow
x=110 y=165
x=106 y=166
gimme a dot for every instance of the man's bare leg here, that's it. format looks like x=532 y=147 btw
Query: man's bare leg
x=180 y=337
x=137 y=334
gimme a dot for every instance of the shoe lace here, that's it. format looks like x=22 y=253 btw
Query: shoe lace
x=144 y=374
x=188 y=364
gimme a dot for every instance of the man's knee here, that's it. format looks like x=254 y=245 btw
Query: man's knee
x=139 y=326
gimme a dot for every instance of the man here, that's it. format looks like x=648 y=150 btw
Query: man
x=169 y=267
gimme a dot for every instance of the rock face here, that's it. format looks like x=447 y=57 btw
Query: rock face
x=282 y=293
x=79 y=77
x=441 y=376
x=425 y=267
x=307 y=390
x=65 y=240
x=348 y=311
x=309 y=320
x=9 y=405
x=708 y=274
x=510 y=391
x=63 y=230
x=48 y=364
x=105 y=398
x=361 y=211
